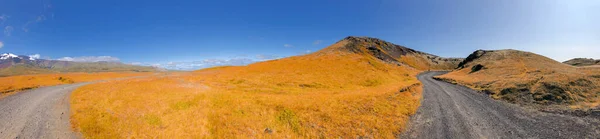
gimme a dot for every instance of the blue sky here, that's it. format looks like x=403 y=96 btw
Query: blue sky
x=181 y=34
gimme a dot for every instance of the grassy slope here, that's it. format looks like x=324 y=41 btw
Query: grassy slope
x=331 y=93
x=528 y=78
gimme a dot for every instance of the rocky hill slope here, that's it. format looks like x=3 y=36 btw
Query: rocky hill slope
x=529 y=79
x=582 y=62
x=395 y=54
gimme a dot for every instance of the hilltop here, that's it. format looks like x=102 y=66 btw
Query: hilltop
x=11 y=64
x=580 y=62
x=528 y=79
x=392 y=53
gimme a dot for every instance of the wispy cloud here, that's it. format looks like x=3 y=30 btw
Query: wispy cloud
x=25 y=27
x=306 y=52
x=38 y=19
x=8 y=31
x=263 y=57
x=3 y=18
x=207 y=63
x=1 y=44
x=288 y=45
x=90 y=59
x=46 y=13
x=317 y=42
x=240 y=60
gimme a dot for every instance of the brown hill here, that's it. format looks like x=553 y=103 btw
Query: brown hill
x=527 y=78
x=582 y=62
x=393 y=53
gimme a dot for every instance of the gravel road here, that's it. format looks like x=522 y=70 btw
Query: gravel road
x=452 y=111
x=37 y=113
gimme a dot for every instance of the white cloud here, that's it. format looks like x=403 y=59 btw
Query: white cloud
x=317 y=42
x=34 y=56
x=90 y=59
x=8 y=30
x=207 y=63
x=1 y=44
x=239 y=60
x=288 y=45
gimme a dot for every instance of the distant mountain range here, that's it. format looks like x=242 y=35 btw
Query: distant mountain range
x=12 y=64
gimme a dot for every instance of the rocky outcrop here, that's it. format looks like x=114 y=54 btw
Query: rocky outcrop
x=397 y=54
x=582 y=62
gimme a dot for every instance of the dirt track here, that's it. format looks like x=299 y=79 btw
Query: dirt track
x=451 y=111
x=38 y=113
x=447 y=111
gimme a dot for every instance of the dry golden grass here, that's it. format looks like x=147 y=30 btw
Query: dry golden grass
x=140 y=108
x=326 y=94
x=523 y=77
x=12 y=84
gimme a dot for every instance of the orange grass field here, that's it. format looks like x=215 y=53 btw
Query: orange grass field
x=13 y=84
x=325 y=94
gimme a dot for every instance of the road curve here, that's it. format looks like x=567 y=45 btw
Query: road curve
x=451 y=111
x=37 y=113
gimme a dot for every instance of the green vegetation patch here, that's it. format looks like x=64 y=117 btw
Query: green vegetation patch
x=289 y=118
x=371 y=82
x=152 y=120
x=183 y=105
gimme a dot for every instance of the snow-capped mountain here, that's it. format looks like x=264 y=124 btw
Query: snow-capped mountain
x=8 y=55
x=10 y=59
